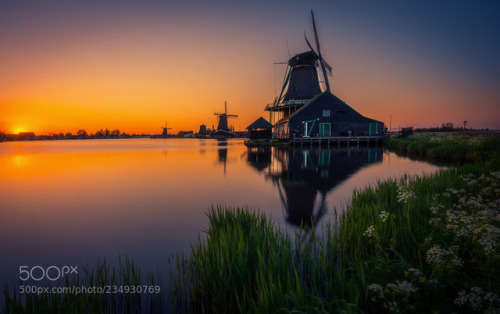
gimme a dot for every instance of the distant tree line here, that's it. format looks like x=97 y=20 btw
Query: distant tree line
x=102 y=133
x=83 y=134
x=446 y=127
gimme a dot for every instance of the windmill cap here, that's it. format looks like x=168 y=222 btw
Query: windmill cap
x=305 y=58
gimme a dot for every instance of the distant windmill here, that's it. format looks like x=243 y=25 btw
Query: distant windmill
x=165 y=130
x=222 y=117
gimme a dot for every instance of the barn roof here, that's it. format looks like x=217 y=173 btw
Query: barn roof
x=333 y=99
x=260 y=123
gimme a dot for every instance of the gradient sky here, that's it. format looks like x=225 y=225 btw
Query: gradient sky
x=132 y=65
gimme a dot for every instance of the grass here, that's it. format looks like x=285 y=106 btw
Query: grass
x=476 y=148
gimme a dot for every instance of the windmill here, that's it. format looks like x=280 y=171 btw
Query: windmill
x=302 y=81
x=222 y=119
x=165 y=130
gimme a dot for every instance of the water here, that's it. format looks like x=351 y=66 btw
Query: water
x=72 y=202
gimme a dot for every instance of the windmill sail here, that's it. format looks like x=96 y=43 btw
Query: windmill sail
x=322 y=62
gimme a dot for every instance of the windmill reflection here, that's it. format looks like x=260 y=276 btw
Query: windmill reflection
x=222 y=153
x=305 y=176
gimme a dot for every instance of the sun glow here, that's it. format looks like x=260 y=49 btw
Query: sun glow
x=19 y=130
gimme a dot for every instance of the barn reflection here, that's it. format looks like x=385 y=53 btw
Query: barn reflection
x=305 y=176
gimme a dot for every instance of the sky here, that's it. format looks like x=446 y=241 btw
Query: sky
x=134 y=65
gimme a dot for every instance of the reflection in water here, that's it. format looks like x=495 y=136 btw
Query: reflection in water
x=71 y=202
x=304 y=176
x=222 y=153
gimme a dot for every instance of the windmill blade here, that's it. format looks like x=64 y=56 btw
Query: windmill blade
x=218 y=114
x=328 y=67
x=233 y=115
x=310 y=46
x=315 y=33
x=323 y=67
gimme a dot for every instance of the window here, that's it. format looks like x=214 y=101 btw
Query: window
x=326 y=113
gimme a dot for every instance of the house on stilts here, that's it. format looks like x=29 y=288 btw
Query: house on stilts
x=307 y=111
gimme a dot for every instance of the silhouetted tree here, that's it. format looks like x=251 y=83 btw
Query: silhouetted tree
x=68 y=135
x=106 y=133
x=115 y=133
x=81 y=133
x=447 y=126
x=99 y=133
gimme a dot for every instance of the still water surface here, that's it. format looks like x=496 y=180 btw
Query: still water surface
x=72 y=202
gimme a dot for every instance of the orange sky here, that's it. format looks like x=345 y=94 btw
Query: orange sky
x=134 y=66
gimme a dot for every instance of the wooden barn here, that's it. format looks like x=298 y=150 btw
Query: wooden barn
x=305 y=108
x=326 y=115
x=260 y=129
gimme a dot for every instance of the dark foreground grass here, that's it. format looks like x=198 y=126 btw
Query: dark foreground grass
x=248 y=265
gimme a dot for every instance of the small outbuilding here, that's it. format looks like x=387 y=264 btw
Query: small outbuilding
x=260 y=129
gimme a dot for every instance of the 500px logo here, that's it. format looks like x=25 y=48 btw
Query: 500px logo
x=53 y=273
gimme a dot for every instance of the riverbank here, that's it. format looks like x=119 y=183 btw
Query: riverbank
x=471 y=147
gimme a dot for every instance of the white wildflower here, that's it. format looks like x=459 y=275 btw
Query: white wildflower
x=433 y=281
x=392 y=286
x=375 y=287
x=491 y=297
x=435 y=221
x=393 y=307
x=384 y=216
x=434 y=210
x=462 y=233
x=478 y=300
x=415 y=271
x=434 y=255
x=488 y=245
x=404 y=194
x=438 y=256
x=406 y=286
x=370 y=232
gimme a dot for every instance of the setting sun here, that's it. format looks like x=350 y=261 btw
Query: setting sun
x=19 y=130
